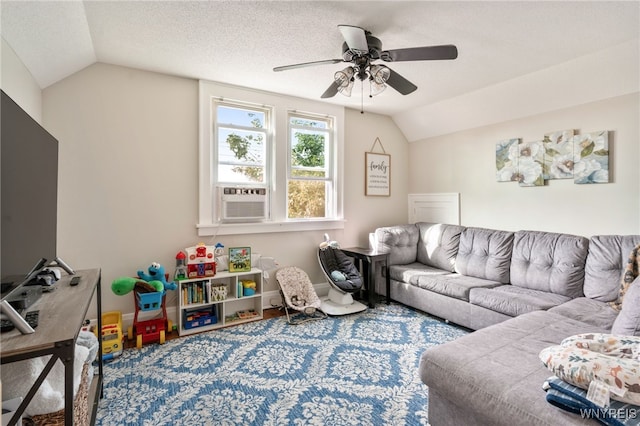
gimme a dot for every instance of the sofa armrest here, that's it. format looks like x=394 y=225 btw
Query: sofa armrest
x=400 y=241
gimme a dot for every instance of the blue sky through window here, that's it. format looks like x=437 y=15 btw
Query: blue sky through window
x=238 y=121
x=240 y=117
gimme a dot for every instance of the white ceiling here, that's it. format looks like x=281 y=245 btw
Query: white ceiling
x=239 y=42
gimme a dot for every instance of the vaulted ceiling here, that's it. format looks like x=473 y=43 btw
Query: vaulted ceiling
x=240 y=42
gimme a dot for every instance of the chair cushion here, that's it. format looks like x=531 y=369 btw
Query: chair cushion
x=513 y=301
x=485 y=253
x=608 y=255
x=297 y=288
x=333 y=259
x=549 y=262
x=438 y=244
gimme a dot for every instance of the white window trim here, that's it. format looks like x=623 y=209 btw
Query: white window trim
x=282 y=105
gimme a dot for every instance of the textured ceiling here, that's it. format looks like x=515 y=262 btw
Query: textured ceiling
x=239 y=42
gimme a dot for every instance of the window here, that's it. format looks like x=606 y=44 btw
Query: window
x=310 y=174
x=265 y=145
x=242 y=136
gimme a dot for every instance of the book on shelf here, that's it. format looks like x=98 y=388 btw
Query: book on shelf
x=196 y=292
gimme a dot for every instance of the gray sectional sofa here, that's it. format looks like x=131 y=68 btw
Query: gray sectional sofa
x=522 y=291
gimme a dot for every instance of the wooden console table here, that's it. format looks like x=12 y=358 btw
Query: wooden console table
x=62 y=314
x=369 y=258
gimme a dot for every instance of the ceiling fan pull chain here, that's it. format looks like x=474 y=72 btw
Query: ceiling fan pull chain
x=361 y=97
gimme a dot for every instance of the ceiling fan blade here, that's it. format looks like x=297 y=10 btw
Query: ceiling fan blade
x=331 y=91
x=355 y=37
x=400 y=83
x=425 y=53
x=308 y=64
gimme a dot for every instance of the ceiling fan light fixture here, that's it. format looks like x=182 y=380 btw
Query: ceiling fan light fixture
x=379 y=73
x=346 y=90
x=344 y=79
x=376 y=88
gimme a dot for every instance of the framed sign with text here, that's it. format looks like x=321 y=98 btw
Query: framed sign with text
x=377 y=174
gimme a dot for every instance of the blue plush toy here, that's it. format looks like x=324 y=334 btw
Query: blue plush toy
x=338 y=276
x=156 y=273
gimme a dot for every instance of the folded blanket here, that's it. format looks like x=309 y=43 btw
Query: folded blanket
x=573 y=399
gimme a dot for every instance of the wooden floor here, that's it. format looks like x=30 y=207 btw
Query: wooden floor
x=266 y=314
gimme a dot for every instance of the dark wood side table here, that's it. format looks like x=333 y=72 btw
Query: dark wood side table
x=368 y=259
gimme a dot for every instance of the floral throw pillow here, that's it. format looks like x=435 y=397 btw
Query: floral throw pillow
x=580 y=359
x=631 y=272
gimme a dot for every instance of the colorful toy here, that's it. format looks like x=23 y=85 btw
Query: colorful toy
x=249 y=287
x=201 y=261
x=149 y=295
x=338 y=276
x=156 y=272
x=181 y=267
x=125 y=285
x=151 y=330
x=112 y=336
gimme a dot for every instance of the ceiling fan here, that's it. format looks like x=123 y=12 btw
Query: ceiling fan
x=361 y=49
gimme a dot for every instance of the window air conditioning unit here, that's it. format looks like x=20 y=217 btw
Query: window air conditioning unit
x=243 y=204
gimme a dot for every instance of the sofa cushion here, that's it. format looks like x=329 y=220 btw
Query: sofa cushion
x=411 y=272
x=513 y=301
x=549 y=262
x=608 y=255
x=454 y=285
x=628 y=321
x=594 y=312
x=438 y=244
x=485 y=253
x=400 y=241
x=496 y=372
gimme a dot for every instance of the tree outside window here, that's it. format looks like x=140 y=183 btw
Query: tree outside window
x=241 y=145
x=309 y=178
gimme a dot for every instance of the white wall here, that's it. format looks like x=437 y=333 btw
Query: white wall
x=17 y=82
x=365 y=213
x=593 y=77
x=129 y=176
x=464 y=162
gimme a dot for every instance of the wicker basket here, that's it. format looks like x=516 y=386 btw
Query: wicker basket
x=80 y=406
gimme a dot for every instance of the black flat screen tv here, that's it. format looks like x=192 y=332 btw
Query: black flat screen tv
x=29 y=180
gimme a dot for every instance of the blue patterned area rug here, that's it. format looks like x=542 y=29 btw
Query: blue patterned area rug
x=360 y=369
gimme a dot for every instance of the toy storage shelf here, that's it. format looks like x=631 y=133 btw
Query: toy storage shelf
x=214 y=302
